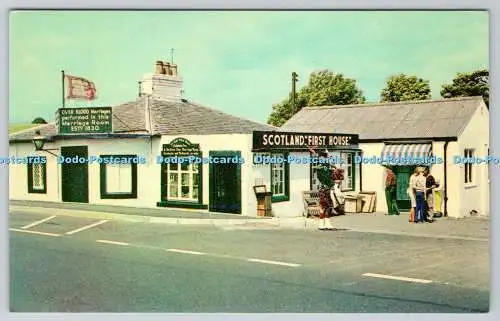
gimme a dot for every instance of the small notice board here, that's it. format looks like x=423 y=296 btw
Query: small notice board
x=85 y=120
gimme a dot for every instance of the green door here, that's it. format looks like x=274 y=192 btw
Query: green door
x=225 y=183
x=75 y=183
x=403 y=174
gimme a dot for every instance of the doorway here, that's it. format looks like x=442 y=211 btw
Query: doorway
x=403 y=174
x=75 y=181
x=225 y=183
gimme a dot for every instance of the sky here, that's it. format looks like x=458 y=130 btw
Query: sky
x=239 y=62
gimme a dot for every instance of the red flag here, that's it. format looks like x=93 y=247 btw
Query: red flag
x=80 y=88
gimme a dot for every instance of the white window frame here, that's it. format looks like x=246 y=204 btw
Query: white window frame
x=40 y=177
x=124 y=170
x=179 y=171
x=348 y=181
x=278 y=168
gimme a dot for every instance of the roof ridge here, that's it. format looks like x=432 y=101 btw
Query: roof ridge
x=406 y=102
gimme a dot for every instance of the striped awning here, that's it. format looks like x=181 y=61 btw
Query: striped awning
x=407 y=150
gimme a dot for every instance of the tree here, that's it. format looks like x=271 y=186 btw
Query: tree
x=402 y=87
x=39 y=120
x=475 y=83
x=324 y=88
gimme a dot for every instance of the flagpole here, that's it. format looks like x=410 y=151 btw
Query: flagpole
x=63 y=98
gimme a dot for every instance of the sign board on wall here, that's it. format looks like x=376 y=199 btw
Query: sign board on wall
x=180 y=147
x=85 y=120
x=269 y=140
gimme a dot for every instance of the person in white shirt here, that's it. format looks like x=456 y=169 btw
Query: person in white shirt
x=419 y=188
x=411 y=194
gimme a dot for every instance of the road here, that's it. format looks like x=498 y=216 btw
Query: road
x=69 y=264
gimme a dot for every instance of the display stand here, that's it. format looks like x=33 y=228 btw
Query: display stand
x=264 y=204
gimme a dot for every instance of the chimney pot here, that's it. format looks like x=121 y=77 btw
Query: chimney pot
x=174 y=69
x=159 y=68
x=168 y=69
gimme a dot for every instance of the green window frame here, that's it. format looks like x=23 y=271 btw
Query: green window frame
x=280 y=179
x=105 y=194
x=37 y=175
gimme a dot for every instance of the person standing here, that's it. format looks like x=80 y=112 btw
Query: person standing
x=430 y=184
x=390 y=192
x=411 y=195
x=324 y=174
x=419 y=188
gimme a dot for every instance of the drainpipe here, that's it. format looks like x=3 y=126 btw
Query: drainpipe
x=445 y=179
x=360 y=172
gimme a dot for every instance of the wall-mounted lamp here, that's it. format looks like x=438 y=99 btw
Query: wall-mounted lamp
x=39 y=142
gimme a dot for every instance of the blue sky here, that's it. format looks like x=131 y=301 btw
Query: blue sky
x=237 y=62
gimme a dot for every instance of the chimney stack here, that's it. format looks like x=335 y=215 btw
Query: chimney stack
x=163 y=84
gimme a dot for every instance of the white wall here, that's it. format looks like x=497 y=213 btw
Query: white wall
x=229 y=142
x=455 y=182
x=299 y=182
x=475 y=196
x=148 y=175
x=374 y=174
x=18 y=175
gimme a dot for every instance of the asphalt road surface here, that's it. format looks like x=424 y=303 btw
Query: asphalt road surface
x=67 y=264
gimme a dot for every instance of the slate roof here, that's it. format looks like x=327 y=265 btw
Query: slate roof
x=384 y=121
x=176 y=118
x=167 y=118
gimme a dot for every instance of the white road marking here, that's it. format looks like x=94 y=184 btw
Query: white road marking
x=37 y=223
x=398 y=278
x=185 y=251
x=33 y=232
x=112 y=242
x=274 y=262
x=86 y=227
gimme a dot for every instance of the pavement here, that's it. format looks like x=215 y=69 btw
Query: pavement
x=469 y=228
x=63 y=263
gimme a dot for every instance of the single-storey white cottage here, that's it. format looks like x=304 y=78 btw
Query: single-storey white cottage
x=136 y=163
x=134 y=160
x=445 y=131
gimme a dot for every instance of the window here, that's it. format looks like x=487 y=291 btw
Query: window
x=348 y=182
x=37 y=175
x=347 y=159
x=468 y=154
x=280 y=179
x=183 y=181
x=118 y=180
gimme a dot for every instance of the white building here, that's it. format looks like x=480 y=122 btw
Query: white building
x=441 y=128
x=161 y=123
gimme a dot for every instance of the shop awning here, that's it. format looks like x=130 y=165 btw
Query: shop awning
x=407 y=150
